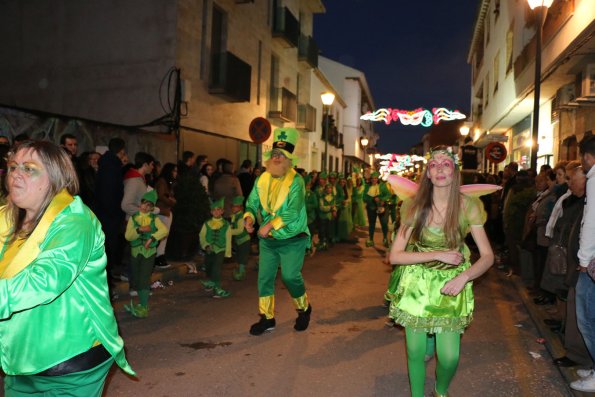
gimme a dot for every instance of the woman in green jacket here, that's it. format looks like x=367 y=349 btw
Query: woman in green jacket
x=58 y=332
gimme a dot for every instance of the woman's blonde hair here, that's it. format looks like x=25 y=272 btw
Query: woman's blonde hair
x=61 y=174
x=423 y=206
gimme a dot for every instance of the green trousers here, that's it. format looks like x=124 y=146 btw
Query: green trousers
x=290 y=255
x=242 y=253
x=142 y=268
x=213 y=264
x=79 y=384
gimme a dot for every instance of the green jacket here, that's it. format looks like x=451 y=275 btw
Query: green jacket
x=384 y=194
x=238 y=231
x=58 y=306
x=289 y=217
x=216 y=234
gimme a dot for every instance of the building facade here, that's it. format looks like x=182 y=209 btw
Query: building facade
x=190 y=74
x=502 y=56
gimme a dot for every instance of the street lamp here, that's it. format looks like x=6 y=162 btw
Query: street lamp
x=327 y=100
x=541 y=7
x=464 y=130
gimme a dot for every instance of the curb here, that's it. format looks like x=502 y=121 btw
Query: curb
x=553 y=342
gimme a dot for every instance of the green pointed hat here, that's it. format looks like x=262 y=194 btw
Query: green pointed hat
x=150 y=196
x=218 y=204
x=322 y=175
x=332 y=174
x=284 y=140
x=238 y=200
x=375 y=174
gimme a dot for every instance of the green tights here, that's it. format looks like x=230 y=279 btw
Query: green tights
x=448 y=345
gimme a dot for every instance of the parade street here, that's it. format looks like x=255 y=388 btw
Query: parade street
x=194 y=345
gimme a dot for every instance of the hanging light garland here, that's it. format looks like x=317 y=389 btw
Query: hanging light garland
x=419 y=116
x=399 y=163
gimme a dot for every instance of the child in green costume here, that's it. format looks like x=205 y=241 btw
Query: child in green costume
x=240 y=238
x=311 y=209
x=144 y=231
x=327 y=211
x=215 y=239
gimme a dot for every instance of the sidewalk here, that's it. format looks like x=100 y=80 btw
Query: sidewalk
x=553 y=341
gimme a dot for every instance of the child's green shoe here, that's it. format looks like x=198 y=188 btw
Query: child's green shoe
x=369 y=243
x=221 y=293
x=239 y=274
x=140 y=311
x=208 y=285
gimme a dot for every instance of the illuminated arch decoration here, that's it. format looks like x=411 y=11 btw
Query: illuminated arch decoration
x=419 y=116
x=399 y=163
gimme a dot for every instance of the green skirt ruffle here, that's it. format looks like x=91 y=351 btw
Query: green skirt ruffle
x=418 y=304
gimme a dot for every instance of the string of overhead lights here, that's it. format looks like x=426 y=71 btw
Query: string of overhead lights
x=419 y=116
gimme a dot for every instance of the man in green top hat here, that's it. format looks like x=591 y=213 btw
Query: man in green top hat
x=278 y=202
x=215 y=239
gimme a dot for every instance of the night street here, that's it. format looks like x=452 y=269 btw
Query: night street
x=193 y=345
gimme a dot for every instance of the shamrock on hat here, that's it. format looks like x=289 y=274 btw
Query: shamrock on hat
x=284 y=140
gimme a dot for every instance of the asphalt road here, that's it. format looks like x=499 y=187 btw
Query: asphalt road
x=194 y=345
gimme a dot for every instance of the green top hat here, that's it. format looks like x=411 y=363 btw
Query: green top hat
x=238 y=200
x=218 y=204
x=284 y=140
x=322 y=175
x=150 y=196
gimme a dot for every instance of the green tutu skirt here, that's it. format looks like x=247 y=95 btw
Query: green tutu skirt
x=417 y=303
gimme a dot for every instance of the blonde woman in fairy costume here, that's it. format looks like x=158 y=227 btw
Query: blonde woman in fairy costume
x=430 y=247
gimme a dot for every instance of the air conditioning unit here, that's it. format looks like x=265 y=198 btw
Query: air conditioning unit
x=566 y=96
x=587 y=84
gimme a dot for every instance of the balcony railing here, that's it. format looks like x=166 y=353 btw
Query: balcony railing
x=230 y=77
x=306 y=117
x=286 y=27
x=283 y=105
x=308 y=51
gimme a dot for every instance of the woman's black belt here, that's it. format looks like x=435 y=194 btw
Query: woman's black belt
x=82 y=362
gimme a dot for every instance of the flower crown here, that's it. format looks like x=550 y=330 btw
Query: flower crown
x=444 y=150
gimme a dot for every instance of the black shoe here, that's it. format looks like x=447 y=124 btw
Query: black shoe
x=564 y=362
x=262 y=326
x=161 y=263
x=303 y=319
x=544 y=300
x=551 y=322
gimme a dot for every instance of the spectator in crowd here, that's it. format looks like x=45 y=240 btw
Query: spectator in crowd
x=585 y=288
x=109 y=187
x=567 y=229
x=69 y=143
x=205 y=176
x=88 y=166
x=518 y=201
x=227 y=186
x=201 y=160
x=135 y=185
x=20 y=138
x=245 y=177
x=188 y=160
x=60 y=335
x=165 y=202
x=4 y=140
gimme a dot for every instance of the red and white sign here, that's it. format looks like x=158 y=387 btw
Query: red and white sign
x=496 y=152
x=259 y=130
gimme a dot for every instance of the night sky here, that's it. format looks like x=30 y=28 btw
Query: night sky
x=413 y=53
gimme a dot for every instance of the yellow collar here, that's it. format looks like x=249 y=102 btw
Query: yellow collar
x=264 y=184
x=29 y=251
